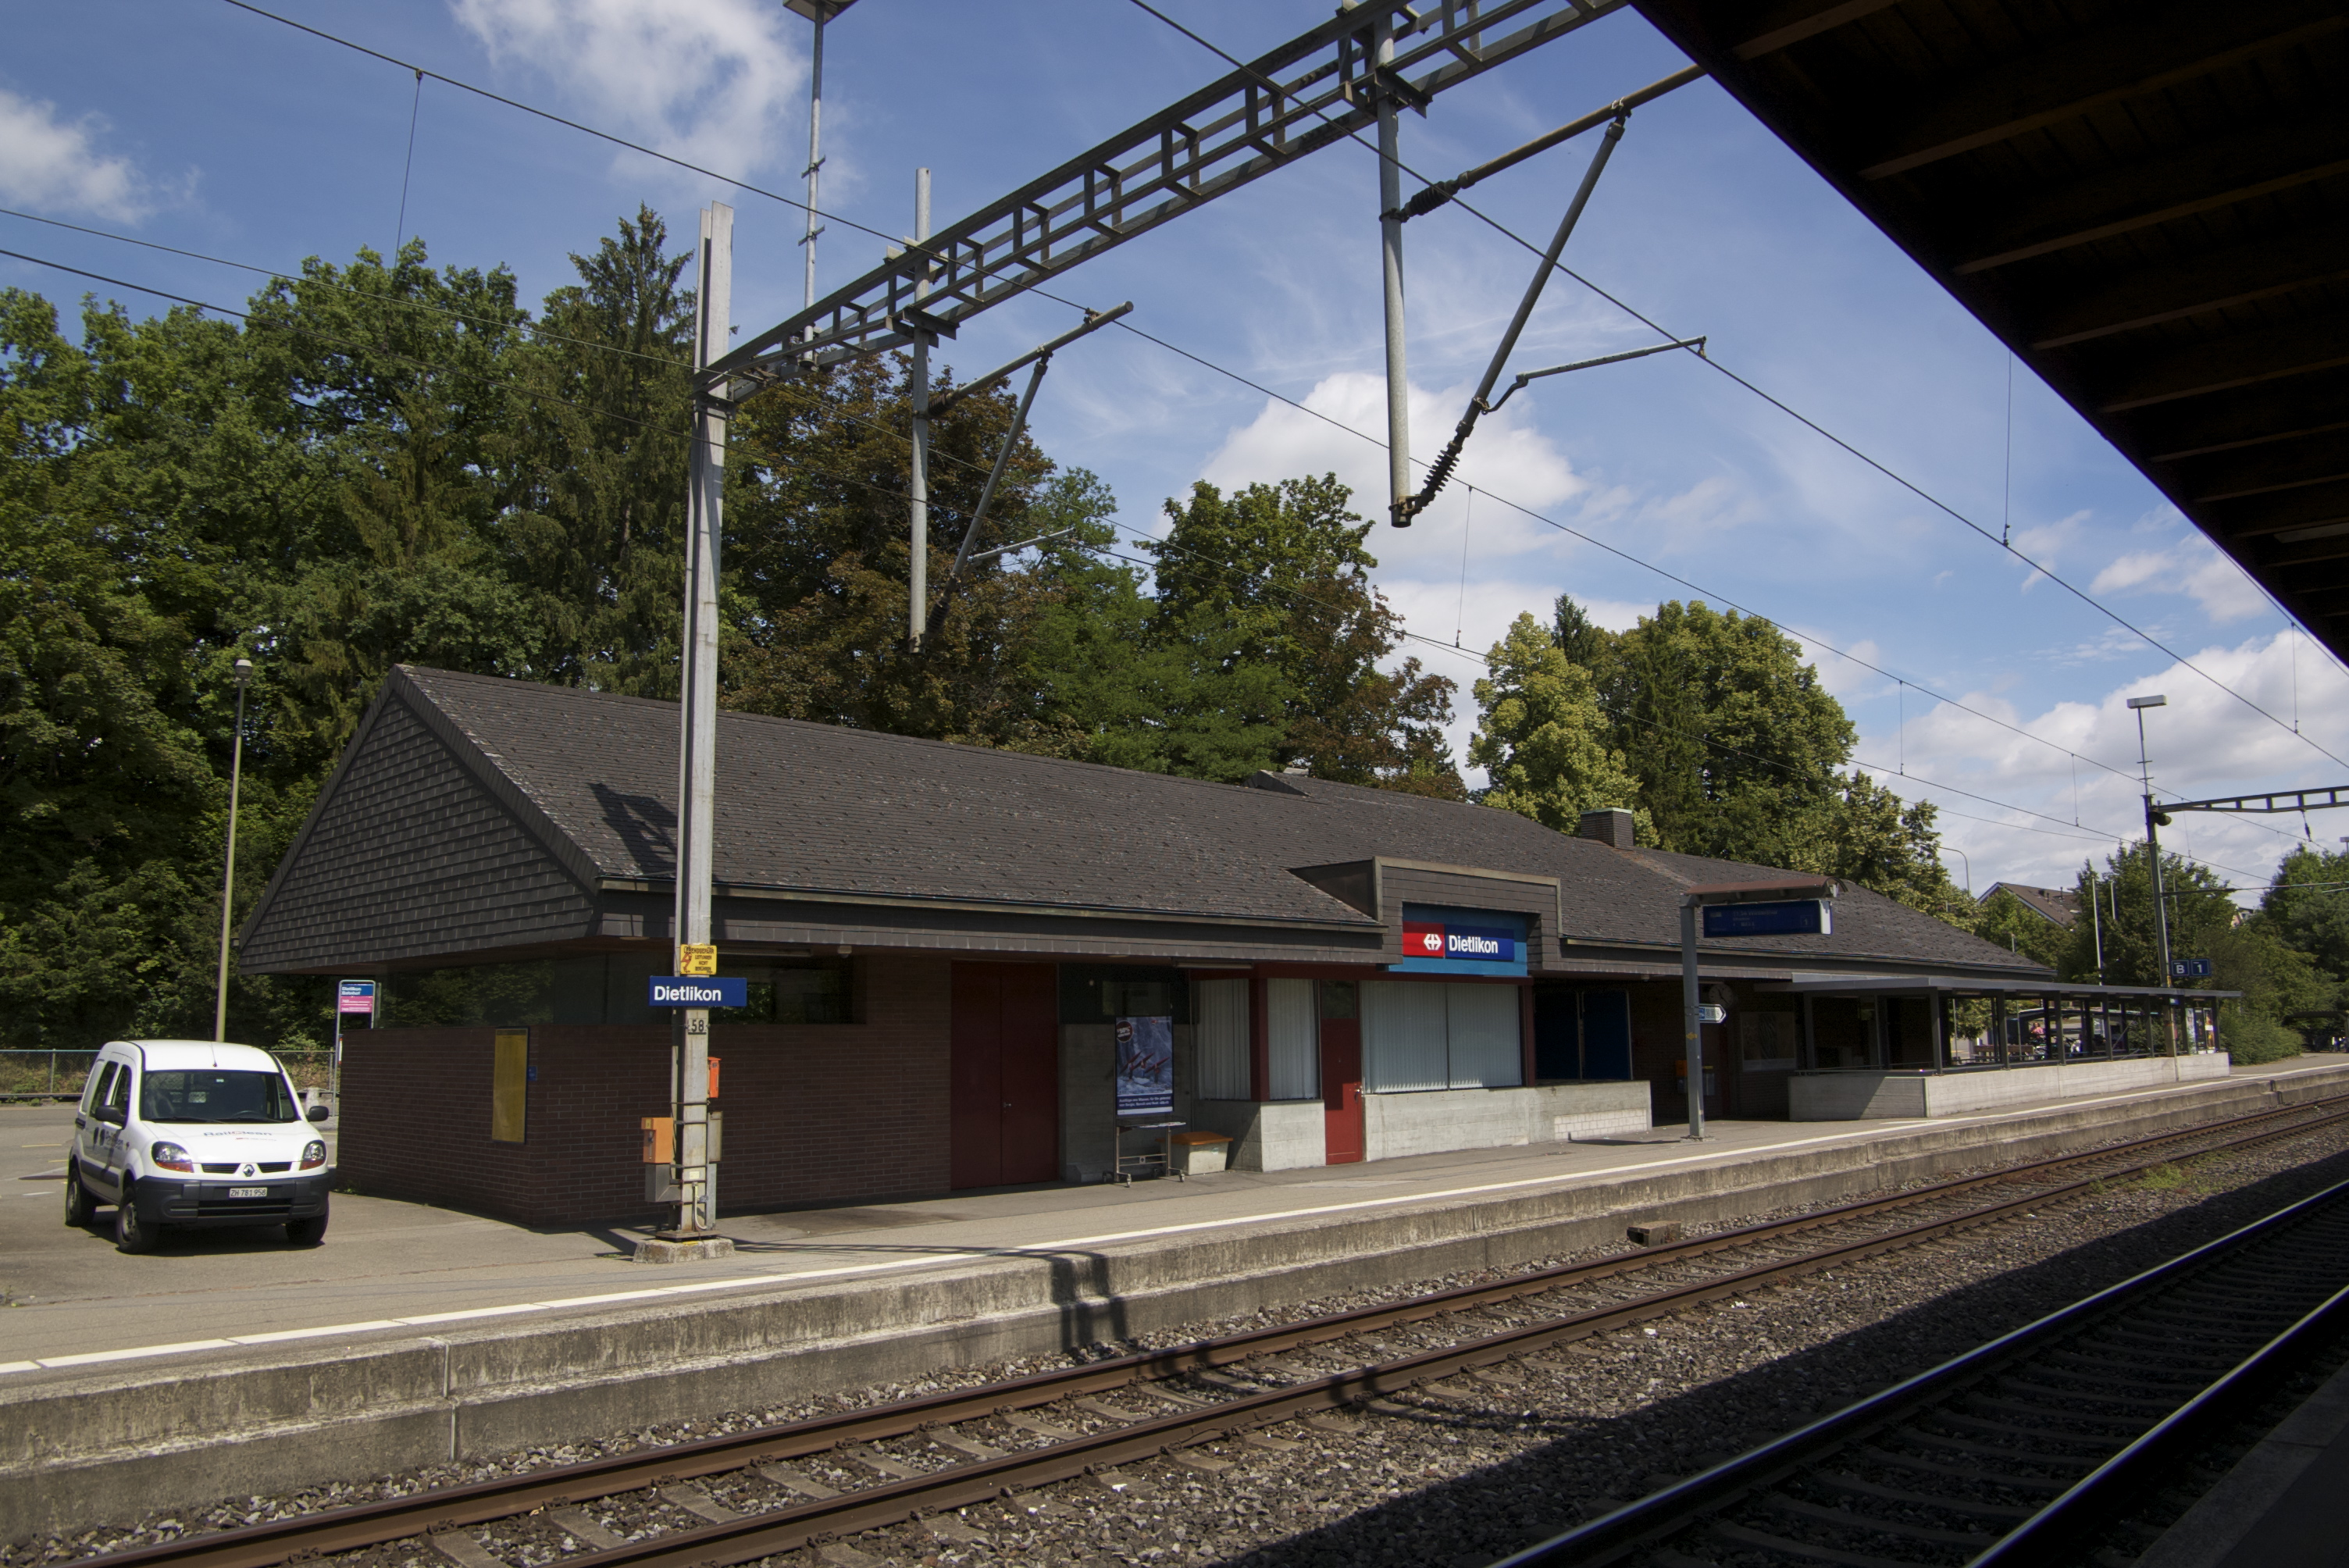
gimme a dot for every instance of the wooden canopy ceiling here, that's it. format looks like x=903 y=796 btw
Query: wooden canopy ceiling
x=2148 y=203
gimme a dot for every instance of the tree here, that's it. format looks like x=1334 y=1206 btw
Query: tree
x=1275 y=578
x=2013 y=925
x=1542 y=738
x=2307 y=906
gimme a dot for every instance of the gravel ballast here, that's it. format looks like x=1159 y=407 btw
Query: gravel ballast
x=1462 y=1472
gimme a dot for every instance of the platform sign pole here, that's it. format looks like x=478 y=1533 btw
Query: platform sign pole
x=698 y=753
x=1692 y=1031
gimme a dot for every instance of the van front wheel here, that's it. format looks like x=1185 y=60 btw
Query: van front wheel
x=77 y=1204
x=306 y=1232
x=133 y=1233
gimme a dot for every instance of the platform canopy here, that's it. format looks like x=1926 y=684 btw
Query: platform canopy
x=2149 y=203
x=1972 y=986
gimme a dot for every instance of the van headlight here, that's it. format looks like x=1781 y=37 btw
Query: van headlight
x=314 y=1154
x=171 y=1157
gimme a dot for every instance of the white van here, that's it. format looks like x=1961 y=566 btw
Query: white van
x=187 y=1132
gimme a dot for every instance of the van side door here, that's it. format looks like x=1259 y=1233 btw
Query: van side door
x=89 y=1132
x=115 y=1131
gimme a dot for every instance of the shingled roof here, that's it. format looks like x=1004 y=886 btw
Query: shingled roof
x=587 y=783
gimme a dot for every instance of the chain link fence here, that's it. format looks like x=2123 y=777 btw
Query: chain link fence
x=59 y=1075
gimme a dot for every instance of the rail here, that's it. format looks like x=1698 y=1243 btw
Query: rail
x=1234 y=1384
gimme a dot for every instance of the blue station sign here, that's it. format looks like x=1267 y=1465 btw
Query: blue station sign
x=1792 y=917
x=687 y=991
x=1462 y=941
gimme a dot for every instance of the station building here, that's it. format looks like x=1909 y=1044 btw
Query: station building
x=939 y=938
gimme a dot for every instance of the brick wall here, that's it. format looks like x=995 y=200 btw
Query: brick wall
x=813 y=1114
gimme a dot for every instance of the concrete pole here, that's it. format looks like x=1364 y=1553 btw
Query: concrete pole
x=228 y=869
x=698 y=756
x=1399 y=485
x=917 y=574
x=2153 y=850
x=1692 y=1031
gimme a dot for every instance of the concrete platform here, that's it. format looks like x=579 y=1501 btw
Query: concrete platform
x=230 y=1362
x=2279 y=1507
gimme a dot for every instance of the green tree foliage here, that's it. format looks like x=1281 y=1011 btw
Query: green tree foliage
x=1543 y=741
x=1274 y=580
x=392 y=461
x=2307 y=903
x=1712 y=730
x=2252 y=953
x=2013 y=925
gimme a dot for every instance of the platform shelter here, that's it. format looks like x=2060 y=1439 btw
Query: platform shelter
x=939 y=941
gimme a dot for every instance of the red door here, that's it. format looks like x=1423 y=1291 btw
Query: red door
x=1341 y=1090
x=1007 y=1056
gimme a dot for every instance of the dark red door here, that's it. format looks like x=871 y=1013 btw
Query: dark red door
x=1007 y=1055
x=1341 y=1090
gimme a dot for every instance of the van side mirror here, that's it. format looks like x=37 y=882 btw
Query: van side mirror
x=319 y=1113
x=110 y=1114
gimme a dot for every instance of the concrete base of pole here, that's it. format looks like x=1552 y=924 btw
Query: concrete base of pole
x=683 y=1249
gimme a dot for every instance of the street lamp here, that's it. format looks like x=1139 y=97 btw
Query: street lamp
x=2153 y=819
x=1953 y=850
x=243 y=668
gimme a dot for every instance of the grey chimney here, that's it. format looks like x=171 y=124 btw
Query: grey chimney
x=1611 y=825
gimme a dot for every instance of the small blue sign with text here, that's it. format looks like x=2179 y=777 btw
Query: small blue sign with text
x=685 y=991
x=1793 y=917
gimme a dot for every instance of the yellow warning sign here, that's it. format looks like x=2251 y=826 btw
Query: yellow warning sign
x=696 y=959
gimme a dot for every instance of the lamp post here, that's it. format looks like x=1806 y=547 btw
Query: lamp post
x=1953 y=850
x=2153 y=831
x=243 y=668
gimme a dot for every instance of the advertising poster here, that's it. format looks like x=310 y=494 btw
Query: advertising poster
x=1145 y=1067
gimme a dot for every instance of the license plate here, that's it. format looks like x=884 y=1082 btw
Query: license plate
x=248 y=1192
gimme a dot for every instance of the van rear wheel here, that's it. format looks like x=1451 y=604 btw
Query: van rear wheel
x=306 y=1232
x=132 y=1231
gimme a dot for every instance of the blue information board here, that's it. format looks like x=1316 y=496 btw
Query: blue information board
x=1793 y=917
x=686 y=991
x=2190 y=969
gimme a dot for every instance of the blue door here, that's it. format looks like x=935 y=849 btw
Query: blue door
x=1606 y=1034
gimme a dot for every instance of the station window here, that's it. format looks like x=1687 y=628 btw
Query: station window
x=1428 y=1035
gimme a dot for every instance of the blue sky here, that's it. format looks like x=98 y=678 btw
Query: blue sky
x=199 y=125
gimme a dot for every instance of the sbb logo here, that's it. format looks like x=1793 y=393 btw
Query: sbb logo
x=1422 y=941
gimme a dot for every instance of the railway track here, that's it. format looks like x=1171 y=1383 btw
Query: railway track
x=2016 y=1452
x=753 y=1494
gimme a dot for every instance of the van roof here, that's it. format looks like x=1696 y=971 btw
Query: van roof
x=202 y=1053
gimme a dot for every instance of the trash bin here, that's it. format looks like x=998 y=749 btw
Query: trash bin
x=1196 y=1153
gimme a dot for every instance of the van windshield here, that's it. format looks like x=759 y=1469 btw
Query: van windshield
x=214 y=1094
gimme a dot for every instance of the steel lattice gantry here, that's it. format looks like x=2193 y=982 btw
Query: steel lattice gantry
x=1299 y=98
x=2148 y=200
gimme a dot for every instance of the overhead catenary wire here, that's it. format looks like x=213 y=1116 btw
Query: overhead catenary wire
x=1298 y=590
x=1809 y=423
x=805 y=395
x=1482 y=217
x=862 y=484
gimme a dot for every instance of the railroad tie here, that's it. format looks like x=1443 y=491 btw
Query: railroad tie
x=1042 y=1429
x=695 y=1500
x=962 y=1445
x=955 y=1531
x=791 y=1479
x=576 y=1522
x=887 y=1466
x=841 y=1555
x=1199 y=1461
x=463 y=1550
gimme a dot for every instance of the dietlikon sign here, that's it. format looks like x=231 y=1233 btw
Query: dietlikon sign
x=1489 y=943
x=1462 y=941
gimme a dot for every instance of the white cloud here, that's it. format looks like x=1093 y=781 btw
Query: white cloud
x=713 y=82
x=1502 y=457
x=2205 y=742
x=2192 y=565
x=47 y=162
